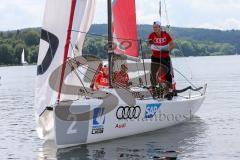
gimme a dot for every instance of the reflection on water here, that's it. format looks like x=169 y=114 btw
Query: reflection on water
x=168 y=143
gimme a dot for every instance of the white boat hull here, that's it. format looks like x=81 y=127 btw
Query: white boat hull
x=89 y=123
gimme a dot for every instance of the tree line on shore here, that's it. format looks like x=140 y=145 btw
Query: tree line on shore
x=13 y=42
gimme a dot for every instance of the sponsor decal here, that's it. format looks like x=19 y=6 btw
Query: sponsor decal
x=160 y=40
x=151 y=110
x=123 y=125
x=128 y=112
x=98 y=121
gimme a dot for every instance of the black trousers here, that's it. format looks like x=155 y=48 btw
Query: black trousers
x=156 y=63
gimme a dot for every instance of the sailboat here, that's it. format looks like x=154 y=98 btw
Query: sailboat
x=23 y=62
x=67 y=110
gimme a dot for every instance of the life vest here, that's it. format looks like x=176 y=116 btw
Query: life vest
x=161 y=75
x=101 y=80
x=163 y=40
x=99 y=70
x=162 y=78
x=121 y=78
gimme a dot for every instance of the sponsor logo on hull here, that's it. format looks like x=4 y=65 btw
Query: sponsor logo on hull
x=151 y=110
x=128 y=112
x=98 y=121
x=123 y=125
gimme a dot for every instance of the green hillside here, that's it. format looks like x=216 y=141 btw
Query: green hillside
x=190 y=42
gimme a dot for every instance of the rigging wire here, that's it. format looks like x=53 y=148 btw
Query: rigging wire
x=99 y=35
x=79 y=78
x=168 y=27
x=166 y=13
x=140 y=40
x=144 y=68
x=139 y=46
x=94 y=70
x=160 y=9
x=185 y=78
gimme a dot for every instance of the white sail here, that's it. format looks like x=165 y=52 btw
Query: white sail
x=23 y=57
x=57 y=37
x=86 y=16
x=87 y=13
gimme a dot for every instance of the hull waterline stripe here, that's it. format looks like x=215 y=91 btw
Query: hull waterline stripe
x=66 y=48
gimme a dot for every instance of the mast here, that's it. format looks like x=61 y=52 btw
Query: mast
x=110 y=41
x=160 y=9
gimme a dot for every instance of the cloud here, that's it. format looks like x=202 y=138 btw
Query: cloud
x=15 y=14
x=220 y=14
x=215 y=5
x=146 y=12
x=228 y=24
x=217 y=14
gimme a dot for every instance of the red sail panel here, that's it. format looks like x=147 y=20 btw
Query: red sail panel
x=125 y=27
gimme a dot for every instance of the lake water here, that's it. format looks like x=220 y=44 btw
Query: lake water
x=212 y=134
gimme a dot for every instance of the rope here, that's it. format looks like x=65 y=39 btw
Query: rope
x=140 y=41
x=170 y=31
x=185 y=78
x=98 y=35
x=167 y=18
x=144 y=69
x=79 y=78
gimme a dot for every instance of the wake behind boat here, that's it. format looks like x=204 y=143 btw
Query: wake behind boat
x=72 y=113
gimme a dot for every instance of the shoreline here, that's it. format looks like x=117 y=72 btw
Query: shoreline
x=16 y=65
x=32 y=64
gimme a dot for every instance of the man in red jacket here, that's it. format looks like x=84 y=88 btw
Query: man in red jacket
x=121 y=77
x=101 y=80
x=161 y=44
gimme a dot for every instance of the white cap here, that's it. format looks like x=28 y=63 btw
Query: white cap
x=157 y=22
x=105 y=64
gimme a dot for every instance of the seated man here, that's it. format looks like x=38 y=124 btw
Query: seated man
x=121 y=78
x=101 y=80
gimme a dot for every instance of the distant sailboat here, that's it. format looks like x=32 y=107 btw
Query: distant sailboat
x=23 y=62
x=236 y=52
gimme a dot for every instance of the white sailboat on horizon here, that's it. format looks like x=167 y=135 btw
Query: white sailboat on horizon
x=23 y=62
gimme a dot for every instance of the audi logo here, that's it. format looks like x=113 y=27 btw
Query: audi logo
x=128 y=112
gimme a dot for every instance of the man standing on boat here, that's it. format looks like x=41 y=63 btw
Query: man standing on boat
x=161 y=44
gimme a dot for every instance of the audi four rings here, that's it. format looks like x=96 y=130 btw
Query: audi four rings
x=128 y=112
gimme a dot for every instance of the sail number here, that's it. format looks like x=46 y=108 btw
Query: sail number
x=71 y=129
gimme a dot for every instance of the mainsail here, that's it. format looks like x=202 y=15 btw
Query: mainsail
x=125 y=27
x=57 y=38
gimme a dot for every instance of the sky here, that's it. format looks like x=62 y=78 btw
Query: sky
x=213 y=14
